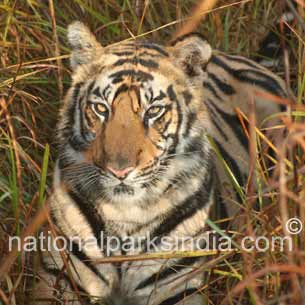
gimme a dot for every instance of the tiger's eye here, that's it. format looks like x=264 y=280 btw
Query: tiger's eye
x=154 y=111
x=100 y=109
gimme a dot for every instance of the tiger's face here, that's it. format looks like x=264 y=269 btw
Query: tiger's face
x=134 y=123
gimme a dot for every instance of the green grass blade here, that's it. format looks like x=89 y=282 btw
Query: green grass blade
x=228 y=170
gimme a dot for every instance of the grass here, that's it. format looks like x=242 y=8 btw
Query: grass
x=35 y=73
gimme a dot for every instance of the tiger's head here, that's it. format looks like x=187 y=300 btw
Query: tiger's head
x=133 y=124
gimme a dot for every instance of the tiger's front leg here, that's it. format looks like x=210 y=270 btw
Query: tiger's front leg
x=164 y=281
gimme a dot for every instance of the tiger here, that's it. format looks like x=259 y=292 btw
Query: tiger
x=135 y=159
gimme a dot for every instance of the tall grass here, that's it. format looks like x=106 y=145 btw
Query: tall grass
x=35 y=73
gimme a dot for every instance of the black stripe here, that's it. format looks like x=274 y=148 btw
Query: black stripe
x=155 y=47
x=67 y=130
x=76 y=141
x=122 y=61
x=136 y=89
x=97 y=92
x=121 y=89
x=86 y=261
x=267 y=82
x=81 y=120
x=213 y=116
x=223 y=86
x=191 y=119
x=137 y=74
x=233 y=166
x=181 y=264
x=150 y=54
x=173 y=97
x=243 y=60
x=91 y=86
x=118 y=267
x=244 y=75
x=148 y=63
x=234 y=123
x=196 y=145
x=88 y=121
x=123 y=53
x=63 y=160
x=127 y=88
x=187 y=97
x=186 y=209
x=159 y=147
x=179 y=297
x=106 y=91
x=166 y=125
x=92 y=216
x=185 y=176
x=159 y=97
x=209 y=86
x=135 y=61
x=186 y=36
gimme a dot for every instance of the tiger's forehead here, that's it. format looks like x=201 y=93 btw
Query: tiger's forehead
x=138 y=64
x=139 y=60
x=146 y=90
x=137 y=48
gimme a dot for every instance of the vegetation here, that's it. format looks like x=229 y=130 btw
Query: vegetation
x=35 y=74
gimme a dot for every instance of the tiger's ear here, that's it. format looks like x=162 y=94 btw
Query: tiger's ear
x=192 y=52
x=84 y=44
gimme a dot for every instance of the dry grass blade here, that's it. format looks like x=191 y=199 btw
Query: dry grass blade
x=197 y=15
x=274 y=268
x=160 y=255
x=31 y=229
x=57 y=50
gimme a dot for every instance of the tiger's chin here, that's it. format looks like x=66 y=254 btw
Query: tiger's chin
x=127 y=195
x=123 y=189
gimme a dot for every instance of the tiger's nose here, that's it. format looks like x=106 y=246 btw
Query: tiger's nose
x=120 y=173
